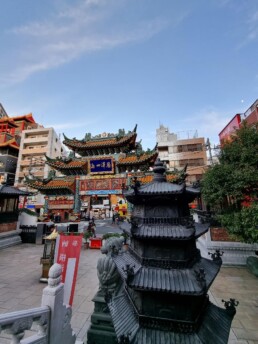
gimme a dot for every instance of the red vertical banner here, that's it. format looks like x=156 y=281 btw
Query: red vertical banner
x=68 y=256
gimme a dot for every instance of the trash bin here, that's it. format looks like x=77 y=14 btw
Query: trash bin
x=73 y=228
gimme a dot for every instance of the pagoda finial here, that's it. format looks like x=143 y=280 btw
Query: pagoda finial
x=135 y=128
x=159 y=170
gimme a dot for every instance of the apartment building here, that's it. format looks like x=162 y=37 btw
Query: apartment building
x=250 y=116
x=177 y=153
x=34 y=145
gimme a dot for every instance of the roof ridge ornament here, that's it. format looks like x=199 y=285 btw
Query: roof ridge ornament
x=159 y=171
x=231 y=305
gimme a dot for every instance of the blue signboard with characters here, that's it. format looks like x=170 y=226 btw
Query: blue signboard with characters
x=103 y=165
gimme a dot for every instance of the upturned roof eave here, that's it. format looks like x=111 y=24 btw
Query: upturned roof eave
x=124 y=316
x=85 y=145
x=12 y=191
x=63 y=166
x=146 y=278
x=137 y=161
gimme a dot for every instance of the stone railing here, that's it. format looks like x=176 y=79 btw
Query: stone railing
x=15 y=324
x=52 y=318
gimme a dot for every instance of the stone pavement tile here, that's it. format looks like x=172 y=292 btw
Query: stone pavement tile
x=77 y=301
x=3 y=291
x=232 y=335
x=21 y=270
x=83 y=331
x=23 y=294
x=10 y=304
x=237 y=323
x=245 y=334
x=79 y=319
x=250 y=324
x=32 y=300
x=8 y=295
x=86 y=307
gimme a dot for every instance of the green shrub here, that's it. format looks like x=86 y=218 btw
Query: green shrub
x=242 y=223
x=111 y=235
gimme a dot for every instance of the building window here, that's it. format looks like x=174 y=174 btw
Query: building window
x=163 y=149
x=198 y=147
x=191 y=162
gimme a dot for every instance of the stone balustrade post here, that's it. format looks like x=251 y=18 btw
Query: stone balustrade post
x=53 y=295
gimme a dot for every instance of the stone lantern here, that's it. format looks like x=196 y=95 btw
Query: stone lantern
x=163 y=294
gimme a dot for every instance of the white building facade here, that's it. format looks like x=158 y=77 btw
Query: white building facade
x=177 y=153
x=35 y=144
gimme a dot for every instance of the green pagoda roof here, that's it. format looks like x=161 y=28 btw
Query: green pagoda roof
x=99 y=146
x=68 y=166
x=47 y=186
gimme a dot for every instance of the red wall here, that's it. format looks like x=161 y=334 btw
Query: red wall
x=230 y=128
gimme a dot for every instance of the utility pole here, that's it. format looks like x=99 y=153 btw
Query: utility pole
x=208 y=147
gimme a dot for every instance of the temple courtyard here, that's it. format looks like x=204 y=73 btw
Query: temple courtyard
x=20 y=271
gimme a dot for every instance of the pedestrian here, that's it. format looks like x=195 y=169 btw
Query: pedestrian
x=92 y=229
x=113 y=219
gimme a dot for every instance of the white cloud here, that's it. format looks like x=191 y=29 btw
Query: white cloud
x=210 y=122
x=70 y=125
x=73 y=31
x=251 y=29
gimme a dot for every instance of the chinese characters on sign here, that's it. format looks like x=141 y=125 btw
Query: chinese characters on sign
x=101 y=165
x=68 y=255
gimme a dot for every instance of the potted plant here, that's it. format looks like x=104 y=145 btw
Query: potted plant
x=87 y=235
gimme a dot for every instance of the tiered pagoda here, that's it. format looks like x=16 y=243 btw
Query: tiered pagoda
x=163 y=293
x=10 y=131
x=9 y=150
x=102 y=166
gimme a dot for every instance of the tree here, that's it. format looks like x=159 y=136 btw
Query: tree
x=231 y=187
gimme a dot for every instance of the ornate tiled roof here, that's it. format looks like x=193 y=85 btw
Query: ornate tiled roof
x=67 y=164
x=159 y=186
x=107 y=142
x=10 y=190
x=28 y=118
x=8 y=120
x=47 y=184
x=126 y=320
x=174 y=281
x=166 y=231
x=133 y=159
x=123 y=316
x=10 y=143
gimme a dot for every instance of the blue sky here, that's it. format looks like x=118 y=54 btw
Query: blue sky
x=100 y=65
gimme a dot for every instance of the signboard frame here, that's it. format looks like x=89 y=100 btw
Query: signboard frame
x=68 y=249
x=101 y=165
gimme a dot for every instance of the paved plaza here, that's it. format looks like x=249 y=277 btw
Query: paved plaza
x=20 y=288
